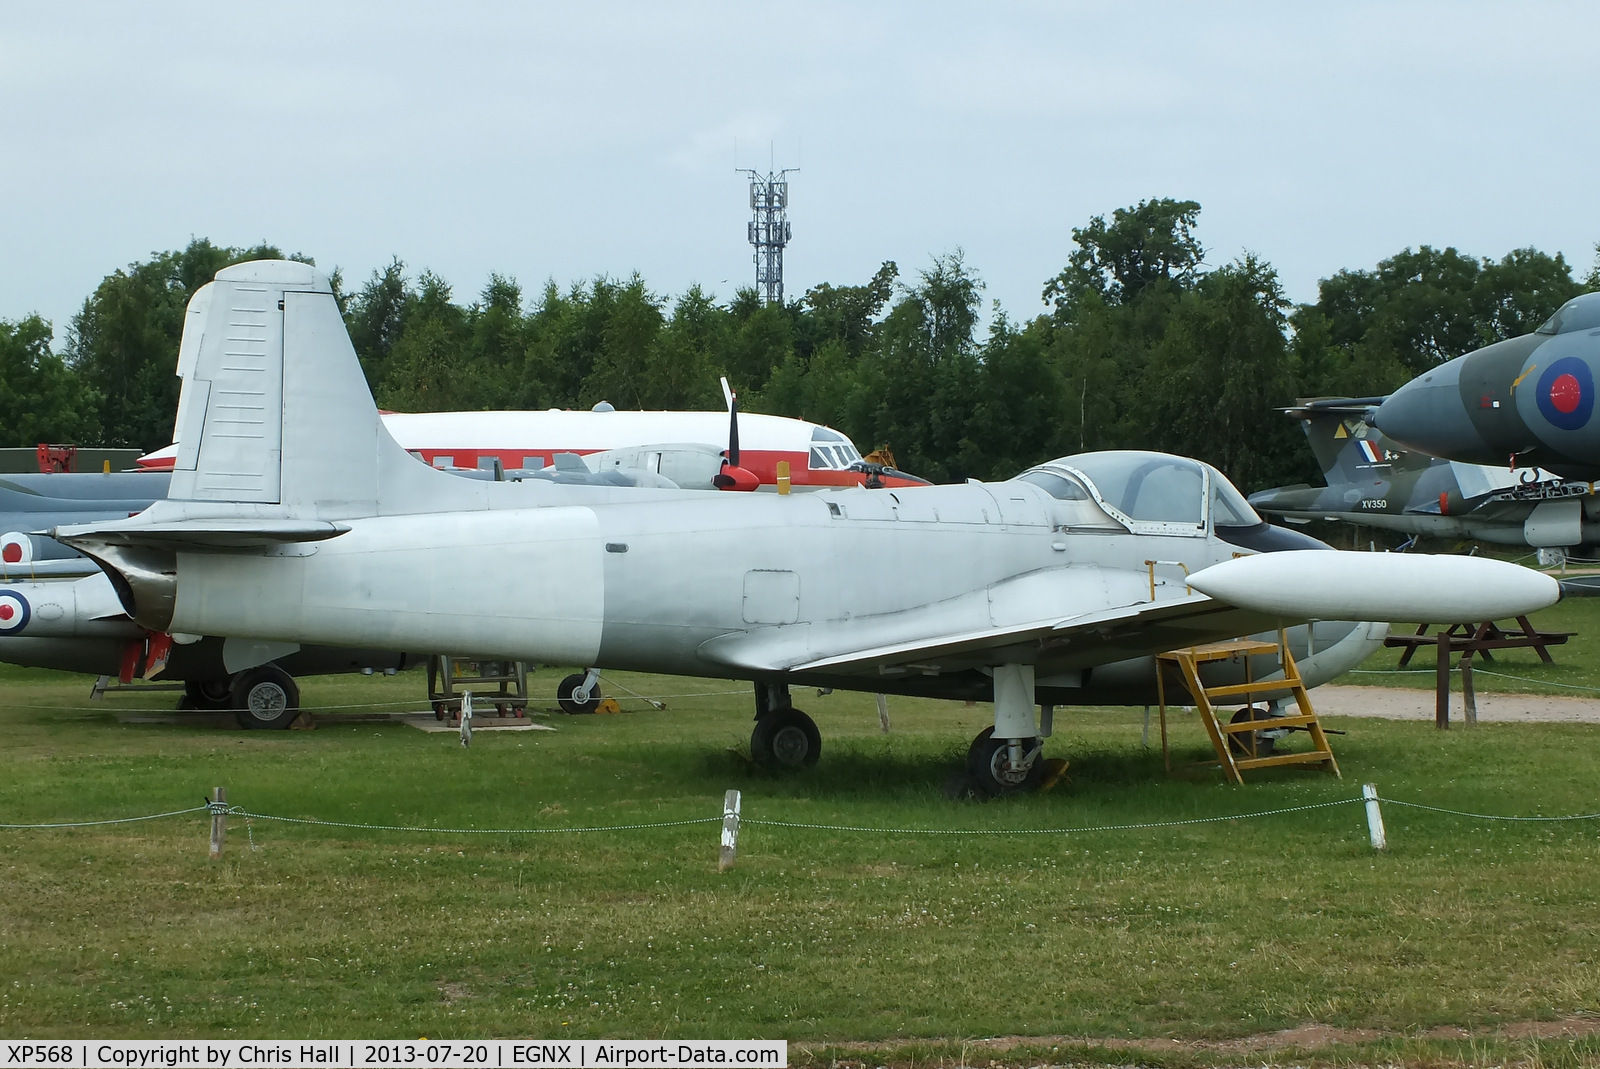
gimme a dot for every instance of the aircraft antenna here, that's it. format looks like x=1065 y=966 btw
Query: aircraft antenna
x=769 y=228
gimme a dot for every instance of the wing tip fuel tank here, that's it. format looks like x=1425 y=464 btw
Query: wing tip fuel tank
x=1393 y=587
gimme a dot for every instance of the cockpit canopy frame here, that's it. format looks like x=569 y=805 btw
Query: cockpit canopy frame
x=1148 y=492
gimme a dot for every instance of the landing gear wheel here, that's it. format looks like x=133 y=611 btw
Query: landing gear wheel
x=265 y=697
x=1266 y=741
x=989 y=763
x=785 y=738
x=207 y=693
x=571 y=705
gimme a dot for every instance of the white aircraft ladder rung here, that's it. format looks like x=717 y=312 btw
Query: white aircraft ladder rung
x=1188 y=661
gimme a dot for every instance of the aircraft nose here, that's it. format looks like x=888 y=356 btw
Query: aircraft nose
x=1427 y=414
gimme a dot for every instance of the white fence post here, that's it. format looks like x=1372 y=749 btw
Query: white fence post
x=1369 y=791
x=730 y=830
x=219 y=821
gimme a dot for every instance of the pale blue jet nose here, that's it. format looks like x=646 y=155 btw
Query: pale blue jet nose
x=1427 y=415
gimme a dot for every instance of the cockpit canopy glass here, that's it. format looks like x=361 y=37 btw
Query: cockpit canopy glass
x=1580 y=313
x=1057 y=486
x=1228 y=506
x=1151 y=488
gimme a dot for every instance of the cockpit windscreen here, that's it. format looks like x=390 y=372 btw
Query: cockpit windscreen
x=1151 y=487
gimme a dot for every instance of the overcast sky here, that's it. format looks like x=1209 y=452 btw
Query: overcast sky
x=565 y=141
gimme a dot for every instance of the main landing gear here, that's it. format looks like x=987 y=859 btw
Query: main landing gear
x=784 y=737
x=1003 y=759
x=264 y=697
x=579 y=693
x=1006 y=758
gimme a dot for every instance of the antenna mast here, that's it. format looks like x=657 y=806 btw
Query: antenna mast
x=769 y=229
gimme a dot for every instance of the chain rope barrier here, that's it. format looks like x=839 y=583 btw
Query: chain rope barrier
x=1049 y=831
x=1490 y=816
x=223 y=809
x=1456 y=669
x=118 y=820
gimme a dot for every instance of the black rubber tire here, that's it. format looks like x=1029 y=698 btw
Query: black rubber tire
x=571 y=706
x=265 y=698
x=786 y=738
x=987 y=764
x=1239 y=743
x=208 y=693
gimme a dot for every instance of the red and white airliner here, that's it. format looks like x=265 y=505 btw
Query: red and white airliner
x=817 y=456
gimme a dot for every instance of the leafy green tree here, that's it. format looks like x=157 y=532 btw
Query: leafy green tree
x=375 y=317
x=430 y=367
x=632 y=324
x=41 y=398
x=1220 y=371
x=497 y=339
x=817 y=377
x=915 y=392
x=1151 y=244
x=761 y=338
x=125 y=340
x=683 y=366
x=1429 y=305
x=1017 y=416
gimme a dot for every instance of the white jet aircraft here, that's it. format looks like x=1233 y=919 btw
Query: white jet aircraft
x=294 y=517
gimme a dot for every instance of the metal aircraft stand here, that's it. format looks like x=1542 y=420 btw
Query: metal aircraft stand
x=502 y=684
x=1189 y=660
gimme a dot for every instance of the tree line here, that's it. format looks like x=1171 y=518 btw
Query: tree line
x=1143 y=344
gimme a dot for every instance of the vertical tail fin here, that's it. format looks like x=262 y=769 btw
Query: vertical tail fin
x=275 y=411
x=1348 y=448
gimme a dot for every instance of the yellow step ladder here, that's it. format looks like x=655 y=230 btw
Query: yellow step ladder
x=1190 y=658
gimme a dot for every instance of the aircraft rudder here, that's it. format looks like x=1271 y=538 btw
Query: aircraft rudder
x=274 y=408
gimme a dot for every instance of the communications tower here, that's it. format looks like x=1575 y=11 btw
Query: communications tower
x=769 y=230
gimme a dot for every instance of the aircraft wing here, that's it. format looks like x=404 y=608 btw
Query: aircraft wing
x=1242 y=596
x=1058 y=644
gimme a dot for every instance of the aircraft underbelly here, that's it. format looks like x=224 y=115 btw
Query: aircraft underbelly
x=525 y=584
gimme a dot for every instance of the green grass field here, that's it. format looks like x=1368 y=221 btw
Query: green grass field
x=914 y=943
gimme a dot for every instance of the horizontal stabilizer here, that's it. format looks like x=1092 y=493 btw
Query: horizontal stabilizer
x=55 y=568
x=1333 y=406
x=200 y=535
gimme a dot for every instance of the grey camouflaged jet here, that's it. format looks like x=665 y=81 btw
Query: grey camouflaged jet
x=1523 y=401
x=1375 y=482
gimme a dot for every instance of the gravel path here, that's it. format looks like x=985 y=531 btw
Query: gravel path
x=1392 y=703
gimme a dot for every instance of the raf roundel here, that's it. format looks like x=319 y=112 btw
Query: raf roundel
x=1566 y=393
x=14 y=612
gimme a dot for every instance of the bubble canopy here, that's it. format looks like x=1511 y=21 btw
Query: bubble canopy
x=1155 y=492
x=1580 y=313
